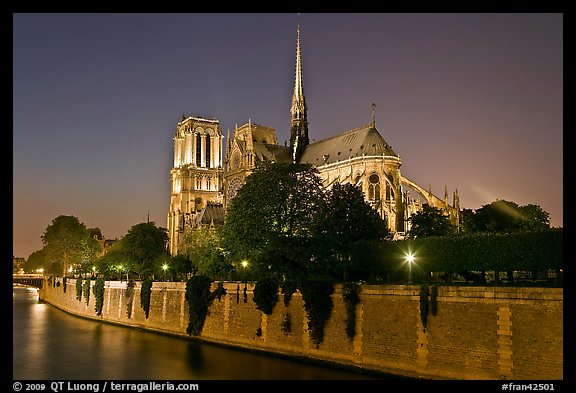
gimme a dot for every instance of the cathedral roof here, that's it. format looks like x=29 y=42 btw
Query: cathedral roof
x=354 y=143
x=212 y=213
x=269 y=152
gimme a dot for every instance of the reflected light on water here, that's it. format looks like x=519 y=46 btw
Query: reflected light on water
x=48 y=343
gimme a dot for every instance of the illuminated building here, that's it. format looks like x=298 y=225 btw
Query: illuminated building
x=359 y=156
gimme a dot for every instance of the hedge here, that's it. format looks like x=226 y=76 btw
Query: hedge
x=522 y=251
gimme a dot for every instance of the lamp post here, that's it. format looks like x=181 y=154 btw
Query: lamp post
x=410 y=260
x=164 y=268
x=244 y=264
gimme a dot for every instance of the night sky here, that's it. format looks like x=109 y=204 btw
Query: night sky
x=468 y=101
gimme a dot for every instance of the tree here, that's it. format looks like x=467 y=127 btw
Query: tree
x=37 y=260
x=143 y=245
x=431 y=221
x=534 y=217
x=269 y=222
x=506 y=217
x=89 y=249
x=67 y=243
x=203 y=249
x=114 y=263
x=343 y=219
x=181 y=265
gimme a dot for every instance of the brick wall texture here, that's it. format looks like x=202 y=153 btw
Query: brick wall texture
x=477 y=332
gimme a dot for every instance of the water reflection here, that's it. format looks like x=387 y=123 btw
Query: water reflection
x=51 y=344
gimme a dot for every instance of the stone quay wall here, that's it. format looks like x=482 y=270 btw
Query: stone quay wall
x=492 y=333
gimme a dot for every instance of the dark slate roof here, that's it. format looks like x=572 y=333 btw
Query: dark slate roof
x=268 y=152
x=211 y=213
x=354 y=143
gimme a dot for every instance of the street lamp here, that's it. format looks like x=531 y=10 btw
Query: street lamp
x=120 y=269
x=410 y=260
x=164 y=268
x=244 y=264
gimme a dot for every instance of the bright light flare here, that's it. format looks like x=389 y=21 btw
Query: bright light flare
x=410 y=258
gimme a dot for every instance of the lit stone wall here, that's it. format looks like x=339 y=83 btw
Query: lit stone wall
x=477 y=332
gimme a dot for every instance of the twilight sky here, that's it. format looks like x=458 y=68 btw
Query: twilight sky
x=468 y=101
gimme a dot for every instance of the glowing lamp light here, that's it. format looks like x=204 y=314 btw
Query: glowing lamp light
x=410 y=259
x=244 y=264
x=165 y=267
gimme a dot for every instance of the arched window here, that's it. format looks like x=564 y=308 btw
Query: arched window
x=208 y=160
x=198 y=147
x=374 y=187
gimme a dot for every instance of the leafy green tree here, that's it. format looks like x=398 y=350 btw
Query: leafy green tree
x=89 y=254
x=534 y=217
x=67 y=243
x=181 y=265
x=506 y=217
x=269 y=222
x=37 y=260
x=114 y=263
x=343 y=219
x=431 y=221
x=143 y=245
x=204 y=251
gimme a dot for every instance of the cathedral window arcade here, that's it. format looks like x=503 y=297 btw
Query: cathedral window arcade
x=198 y=150
x=374 y=187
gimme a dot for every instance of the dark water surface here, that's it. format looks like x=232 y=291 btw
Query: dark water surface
x=50 y=344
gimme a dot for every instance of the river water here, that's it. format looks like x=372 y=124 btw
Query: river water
x=50 y=344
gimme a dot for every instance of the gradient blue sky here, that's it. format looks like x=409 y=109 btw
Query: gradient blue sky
x=470 y=101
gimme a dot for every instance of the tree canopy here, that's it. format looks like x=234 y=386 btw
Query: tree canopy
x=343 y=219
x=269 y=220
x=431 y=221
x=204 y=254
x=284 y=221
x=67 y=243
x=143 y=245
x=503 y=216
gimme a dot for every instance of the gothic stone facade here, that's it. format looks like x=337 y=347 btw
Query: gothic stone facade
x=197 y=176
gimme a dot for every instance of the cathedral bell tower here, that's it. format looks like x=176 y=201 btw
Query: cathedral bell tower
x=299 y=128
x=196 y=177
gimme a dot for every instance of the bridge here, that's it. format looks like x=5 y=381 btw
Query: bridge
x=32 y=280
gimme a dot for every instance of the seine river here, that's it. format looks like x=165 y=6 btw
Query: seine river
x=49 y=344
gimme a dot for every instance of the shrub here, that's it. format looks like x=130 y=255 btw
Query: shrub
x=98 y=290
x=266 y=294
x=317 y=296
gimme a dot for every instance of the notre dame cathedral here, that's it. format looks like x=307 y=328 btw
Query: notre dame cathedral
x=205 y=179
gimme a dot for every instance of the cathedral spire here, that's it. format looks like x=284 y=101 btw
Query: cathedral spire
x=299 y=124
x=298 y=109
